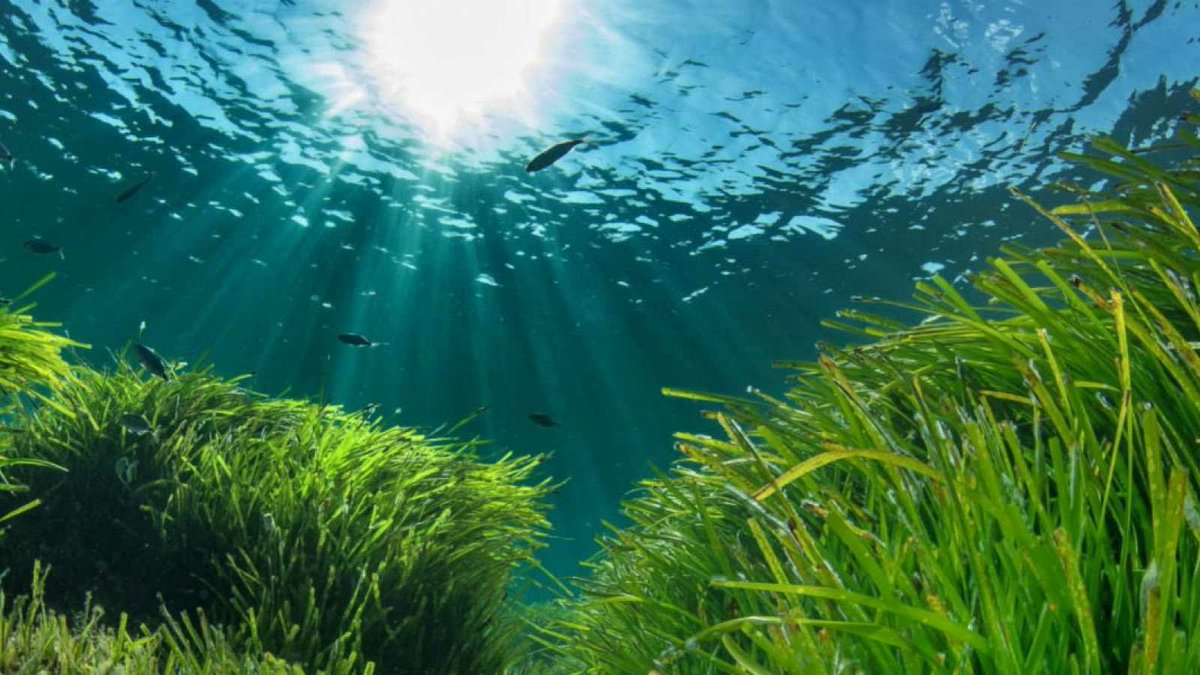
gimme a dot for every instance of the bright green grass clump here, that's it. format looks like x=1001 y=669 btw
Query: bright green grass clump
x=31 y=364
x=36 y=639
x=310 y=534
x=1005 y=488
x=30 y=355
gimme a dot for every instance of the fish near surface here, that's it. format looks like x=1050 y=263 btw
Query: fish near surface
x=542 y=420
x=354 y=340
x=552 y=154
x=40 y=247
x=152 y=361
x=6 y=156
x=134 y=189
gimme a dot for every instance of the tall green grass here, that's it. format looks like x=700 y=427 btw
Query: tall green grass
x=36 y=639
x=1004 y=487
x=30 y=354
x=310 y=534
x=31 y=364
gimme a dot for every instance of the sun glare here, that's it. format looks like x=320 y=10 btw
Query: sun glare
x=444 y=62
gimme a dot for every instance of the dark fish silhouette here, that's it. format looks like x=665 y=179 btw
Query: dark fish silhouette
x=133 y=189
x=6 y=156
x=354 y=340
x=152 y=361
x=41 y=247
x=551 y=155
x=542 y=420
x=135 y=424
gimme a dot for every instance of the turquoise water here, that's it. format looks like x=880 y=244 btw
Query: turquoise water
x=330 y=167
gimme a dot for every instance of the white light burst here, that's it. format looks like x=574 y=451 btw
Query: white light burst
x=445 y=62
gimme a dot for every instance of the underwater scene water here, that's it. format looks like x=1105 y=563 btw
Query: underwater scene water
x=239 y=182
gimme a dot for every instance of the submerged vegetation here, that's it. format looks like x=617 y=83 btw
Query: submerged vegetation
x=35 y=638
x=31 y=363
x=311 y=534
x=30 y=355
x=1007 y=487
x=1000 y=487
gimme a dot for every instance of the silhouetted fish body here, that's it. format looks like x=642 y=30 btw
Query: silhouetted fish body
x=152 y=361
x=6 y=156
x=354 y=340
x=41 y=247
x=542 y=420
x=551 y=155
x=133 y=189
x=135 y=424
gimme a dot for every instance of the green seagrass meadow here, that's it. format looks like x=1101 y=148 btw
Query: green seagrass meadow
x=996 y=480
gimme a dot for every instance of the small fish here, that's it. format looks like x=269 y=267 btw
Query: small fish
x=552 y=154
x=40 y=247
x=133 y=189
x=354 y=340
x=152 y=361
x=5 y=302
x=542 y=420
x=136 y=424
x=6 y=156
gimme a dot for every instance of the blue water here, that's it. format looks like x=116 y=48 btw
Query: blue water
x=751 y=166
